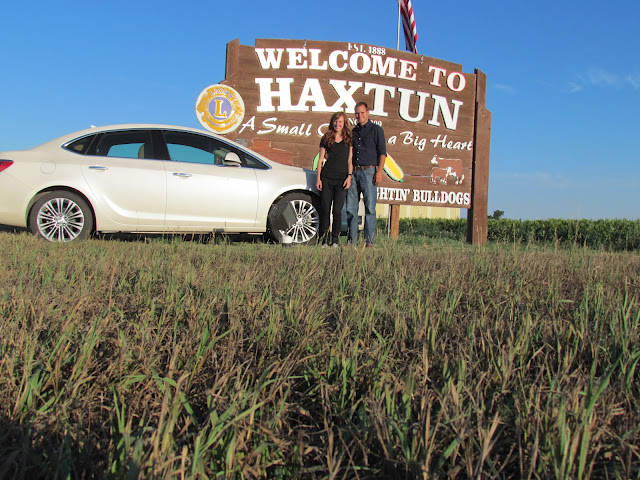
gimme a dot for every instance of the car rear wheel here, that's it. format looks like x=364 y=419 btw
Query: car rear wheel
x=61 y=216
x=296 y=216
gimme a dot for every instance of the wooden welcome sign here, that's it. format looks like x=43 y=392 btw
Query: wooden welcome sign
x=277 y=99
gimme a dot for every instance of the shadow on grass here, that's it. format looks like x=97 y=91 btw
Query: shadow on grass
x=30 y=452
x=11 y=229
x=139 y=237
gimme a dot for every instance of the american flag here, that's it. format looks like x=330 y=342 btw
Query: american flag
x=409 y=25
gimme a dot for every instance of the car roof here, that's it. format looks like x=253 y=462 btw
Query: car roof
x=129 y=126
x=58 y=142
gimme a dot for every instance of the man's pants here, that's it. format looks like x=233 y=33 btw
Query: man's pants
x=362 y=183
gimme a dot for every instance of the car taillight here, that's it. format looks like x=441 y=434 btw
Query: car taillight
x=4 y=164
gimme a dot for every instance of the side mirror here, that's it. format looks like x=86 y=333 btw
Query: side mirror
x=232 y=159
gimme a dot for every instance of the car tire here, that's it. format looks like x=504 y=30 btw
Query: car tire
x=61 y=216
x=303 y=229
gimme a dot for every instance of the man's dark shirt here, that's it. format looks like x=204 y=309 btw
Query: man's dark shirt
x=368 y=144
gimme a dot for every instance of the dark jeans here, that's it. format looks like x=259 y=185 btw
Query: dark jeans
x=362 y=183
x=334 y=192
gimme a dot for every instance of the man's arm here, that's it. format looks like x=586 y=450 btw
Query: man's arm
x=381 y=147
x=380 y=168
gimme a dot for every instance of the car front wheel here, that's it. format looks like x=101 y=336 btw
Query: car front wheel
x=61 y=216
x=296 y=216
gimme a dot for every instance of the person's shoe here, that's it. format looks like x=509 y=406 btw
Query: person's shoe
x=335 y=245
x=324 y=245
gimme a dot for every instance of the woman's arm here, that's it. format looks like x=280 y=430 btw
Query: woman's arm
x=347 y=182
x=320 y=162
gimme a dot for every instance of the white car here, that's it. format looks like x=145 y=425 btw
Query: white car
x=153 y=179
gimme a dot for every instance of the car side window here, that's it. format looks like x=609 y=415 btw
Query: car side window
x=80 y=145
x=252 y=162
x=126 y=144
x=193 y=148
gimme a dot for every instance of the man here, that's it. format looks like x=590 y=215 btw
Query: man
x=369 y=153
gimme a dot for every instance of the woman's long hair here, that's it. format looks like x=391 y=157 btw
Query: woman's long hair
x=330 y=135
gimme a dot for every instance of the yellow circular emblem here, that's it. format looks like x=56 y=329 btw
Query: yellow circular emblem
x=220 y=109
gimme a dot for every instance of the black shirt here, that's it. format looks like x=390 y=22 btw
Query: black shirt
x=368 y=144
x=337 y=165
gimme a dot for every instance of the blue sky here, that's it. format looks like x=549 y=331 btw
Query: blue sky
x=563 y=78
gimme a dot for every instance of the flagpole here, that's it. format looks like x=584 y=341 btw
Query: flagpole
x=398 y=37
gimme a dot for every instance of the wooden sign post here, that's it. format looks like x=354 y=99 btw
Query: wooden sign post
x=394 y=221
x=477 y=214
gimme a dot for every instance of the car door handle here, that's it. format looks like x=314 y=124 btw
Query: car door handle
x=181 y=174
x=97 y=167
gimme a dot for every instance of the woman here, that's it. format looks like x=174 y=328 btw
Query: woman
x=334 y=175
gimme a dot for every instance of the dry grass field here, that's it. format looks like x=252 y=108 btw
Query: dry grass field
x=158 y=358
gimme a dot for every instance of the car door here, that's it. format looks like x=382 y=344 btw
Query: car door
x=127 y=178
x=204 y=193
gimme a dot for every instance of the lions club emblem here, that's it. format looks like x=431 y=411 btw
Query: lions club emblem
x=220 y=109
